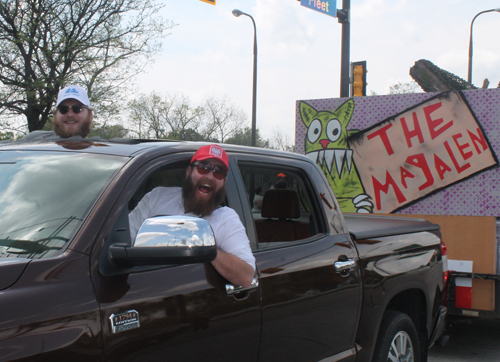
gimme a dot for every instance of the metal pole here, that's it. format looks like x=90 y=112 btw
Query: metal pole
x=238 y=13
x=469 y=72
x=345 y=19
x=254 y=96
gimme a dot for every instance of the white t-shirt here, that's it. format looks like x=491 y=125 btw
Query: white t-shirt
x=229 y=232
x=257 y=208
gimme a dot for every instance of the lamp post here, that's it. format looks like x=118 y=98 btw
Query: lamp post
x=237 y=13
x=469 y=74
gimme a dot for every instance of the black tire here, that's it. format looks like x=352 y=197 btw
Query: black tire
x=397 y=339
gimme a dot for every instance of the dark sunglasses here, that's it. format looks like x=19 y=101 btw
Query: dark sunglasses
x=77 y=108
x=205 y=167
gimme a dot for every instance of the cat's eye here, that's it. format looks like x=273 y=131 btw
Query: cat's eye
x=333 y=130
x=314 y=131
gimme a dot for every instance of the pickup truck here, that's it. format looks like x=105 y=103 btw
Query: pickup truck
x=328 y=286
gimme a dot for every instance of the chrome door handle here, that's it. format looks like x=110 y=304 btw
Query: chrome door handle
x=232 y=289
x=344 y=266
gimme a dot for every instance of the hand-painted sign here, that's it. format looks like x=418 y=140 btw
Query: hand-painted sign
x=422 y=150
x=328 y=7
x=426 y=147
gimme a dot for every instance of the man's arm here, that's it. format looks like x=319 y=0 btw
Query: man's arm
x=233 y=268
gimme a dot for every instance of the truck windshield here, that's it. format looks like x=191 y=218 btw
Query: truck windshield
x=45 y=196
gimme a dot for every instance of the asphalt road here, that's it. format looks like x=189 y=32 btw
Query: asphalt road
x=470 y=340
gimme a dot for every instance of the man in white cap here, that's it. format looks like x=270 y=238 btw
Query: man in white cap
x=72 y=118
x=73 y=115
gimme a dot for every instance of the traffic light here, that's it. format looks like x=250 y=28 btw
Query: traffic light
x=358 y=71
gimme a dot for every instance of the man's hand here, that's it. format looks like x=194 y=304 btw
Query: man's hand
x=233 y=269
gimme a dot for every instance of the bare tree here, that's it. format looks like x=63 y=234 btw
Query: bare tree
x=99 y=44
x=402 y=88
x=183 y=119
x=167 y=116
x=147 y=116
x=222 y=119
x=281 y=141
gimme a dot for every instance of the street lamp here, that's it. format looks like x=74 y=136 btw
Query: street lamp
x=237 y=13
x=469 y=74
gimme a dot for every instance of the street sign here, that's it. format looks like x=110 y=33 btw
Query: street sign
x=209 y=1
x=328 y=7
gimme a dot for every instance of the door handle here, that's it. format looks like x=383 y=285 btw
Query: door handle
x=344 y=267
x=232 y=289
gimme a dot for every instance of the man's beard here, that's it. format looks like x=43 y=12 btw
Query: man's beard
x=83 y=129
x=200 y=207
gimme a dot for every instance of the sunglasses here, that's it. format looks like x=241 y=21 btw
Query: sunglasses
x=77 y=108
x=205 y=167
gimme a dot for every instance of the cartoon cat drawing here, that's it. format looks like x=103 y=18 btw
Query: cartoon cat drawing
x=326 y=144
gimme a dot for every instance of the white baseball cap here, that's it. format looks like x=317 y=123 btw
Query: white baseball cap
x=73 y=92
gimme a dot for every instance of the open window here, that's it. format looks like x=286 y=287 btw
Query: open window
x=172 y=175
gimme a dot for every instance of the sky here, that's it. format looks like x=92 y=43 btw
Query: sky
x=210 y=51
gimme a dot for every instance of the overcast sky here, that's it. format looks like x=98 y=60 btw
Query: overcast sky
x=210 y=52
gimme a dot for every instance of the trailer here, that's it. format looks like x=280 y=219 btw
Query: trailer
x=421 y=155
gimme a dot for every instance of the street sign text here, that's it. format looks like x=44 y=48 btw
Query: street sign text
x=328 y=7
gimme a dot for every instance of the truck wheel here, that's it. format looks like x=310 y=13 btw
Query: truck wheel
x=397 y=340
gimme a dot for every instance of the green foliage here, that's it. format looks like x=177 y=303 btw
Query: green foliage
x=48 y=126
x=244 y=137
x=4 y=136
x=108 y=132
x=97 y=44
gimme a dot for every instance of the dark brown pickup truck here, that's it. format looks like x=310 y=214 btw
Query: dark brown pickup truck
x=328 y=287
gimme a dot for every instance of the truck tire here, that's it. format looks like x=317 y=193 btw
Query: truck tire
x=397 y=339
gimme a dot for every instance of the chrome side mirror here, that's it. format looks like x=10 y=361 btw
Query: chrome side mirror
x=165 y=240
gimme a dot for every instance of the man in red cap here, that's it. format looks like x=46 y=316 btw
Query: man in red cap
x=280 y=183
x=202 y=193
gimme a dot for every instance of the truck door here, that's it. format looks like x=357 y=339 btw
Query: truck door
x=173 y=312
x=310 y=310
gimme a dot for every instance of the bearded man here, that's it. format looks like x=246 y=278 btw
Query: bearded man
x=72 y=118
x=201 y=195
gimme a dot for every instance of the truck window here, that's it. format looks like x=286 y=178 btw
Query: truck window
x=281 y=206
x=172 y=175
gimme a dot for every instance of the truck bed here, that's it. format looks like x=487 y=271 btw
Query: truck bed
x=363 y=226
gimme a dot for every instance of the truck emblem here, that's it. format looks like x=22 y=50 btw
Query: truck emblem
x=124 y=321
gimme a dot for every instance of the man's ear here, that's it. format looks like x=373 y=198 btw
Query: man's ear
x=91 y=115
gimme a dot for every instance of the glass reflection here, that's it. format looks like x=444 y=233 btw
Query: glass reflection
x=175 y=231
x=44 y=197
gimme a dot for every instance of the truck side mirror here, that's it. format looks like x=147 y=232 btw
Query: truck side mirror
x=163 y=240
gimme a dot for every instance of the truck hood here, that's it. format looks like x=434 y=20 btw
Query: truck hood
x=362 y=226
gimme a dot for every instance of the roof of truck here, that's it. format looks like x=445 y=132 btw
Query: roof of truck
x=132 y=147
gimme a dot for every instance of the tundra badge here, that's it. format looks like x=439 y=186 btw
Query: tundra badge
x=124 y=321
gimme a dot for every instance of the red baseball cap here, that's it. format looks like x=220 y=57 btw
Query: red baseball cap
x=281 y=175
x=211 y=151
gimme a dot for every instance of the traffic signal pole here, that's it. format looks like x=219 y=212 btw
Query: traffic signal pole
x=344 y=18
